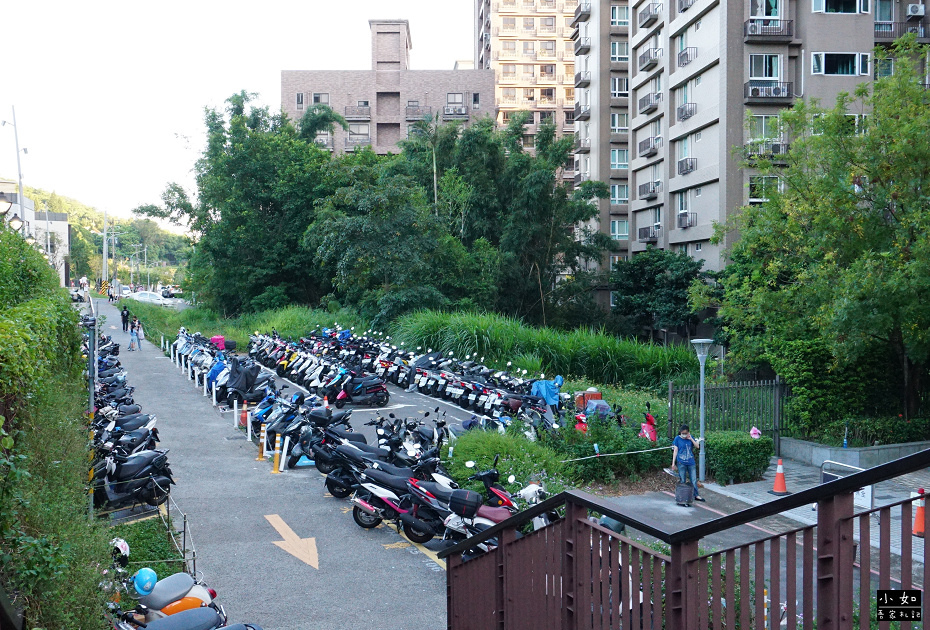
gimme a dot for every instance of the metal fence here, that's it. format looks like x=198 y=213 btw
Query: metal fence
x=729 y=407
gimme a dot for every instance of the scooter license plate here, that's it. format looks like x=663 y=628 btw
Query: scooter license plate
x=393 y=369
x=471 y=397
x=497 y=413
x=482 y=399
x=430 y=383
x=442 y=382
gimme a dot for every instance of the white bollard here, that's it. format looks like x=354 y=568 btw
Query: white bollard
x=248 y=428
x=235 y=413
x=214 y=393
x=162 y=343
x=287 y=441
x=204 y=384
x=190 y=370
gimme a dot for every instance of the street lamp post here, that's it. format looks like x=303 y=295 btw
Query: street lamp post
x=702 y=347
x=19 y=168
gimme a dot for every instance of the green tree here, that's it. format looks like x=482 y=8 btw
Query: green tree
x=650 y=290
x=318 y=119
x=840 y=252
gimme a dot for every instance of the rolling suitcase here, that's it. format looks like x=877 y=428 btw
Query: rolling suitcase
x=684 y=494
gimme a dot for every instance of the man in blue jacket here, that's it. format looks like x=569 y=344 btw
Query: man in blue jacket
x=683 y=458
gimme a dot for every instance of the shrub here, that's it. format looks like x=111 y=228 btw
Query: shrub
x=527 y=461
x=865 y=431
x=150 y=546
x=610 y=438
x=735 y=457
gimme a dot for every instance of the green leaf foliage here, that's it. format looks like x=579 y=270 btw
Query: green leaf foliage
x=735 y=457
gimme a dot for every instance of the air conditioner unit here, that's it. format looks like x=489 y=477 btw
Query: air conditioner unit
x=487 y=38
x=778 y=90
x=657 y=227
x=779 y=148
x=755 y=91
x=754 y=28
x=915 y=10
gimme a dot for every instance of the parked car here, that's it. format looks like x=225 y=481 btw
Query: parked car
x=171 y=290
x=125 y=292
x=149 y=297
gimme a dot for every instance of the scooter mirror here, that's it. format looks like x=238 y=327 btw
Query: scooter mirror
x=391 y=415
x=509 y=363
x=450 y=353
x=555 y=425
x=482 y=359
x=524 y=371
x=418 y=347
x=426 y=415
x=436 y=410
x=430 y=350
x=511 y=479
x=469 y=464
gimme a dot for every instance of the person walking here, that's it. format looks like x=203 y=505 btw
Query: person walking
x=134 y=334
x=124 y=314
x=683 y=458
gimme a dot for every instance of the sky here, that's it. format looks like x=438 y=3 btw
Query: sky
x=110 y=96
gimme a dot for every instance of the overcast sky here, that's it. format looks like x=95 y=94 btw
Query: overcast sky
x=109 y=95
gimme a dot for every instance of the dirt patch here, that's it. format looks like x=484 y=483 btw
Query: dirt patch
x=653 y=481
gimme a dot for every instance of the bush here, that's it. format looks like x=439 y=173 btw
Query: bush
x=527 y=461
x=150 y=546
x=735 y=457
x=610 y=438
x=872 y=431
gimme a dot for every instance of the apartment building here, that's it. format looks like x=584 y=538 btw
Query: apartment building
x=706 y=81
x=381 y=104
x=602 y=113
x=527 y=45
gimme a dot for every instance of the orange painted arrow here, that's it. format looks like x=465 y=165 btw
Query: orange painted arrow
x=303 y=549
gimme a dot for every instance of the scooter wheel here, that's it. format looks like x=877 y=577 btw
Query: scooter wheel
x=160 y=497
x=340 y=404
x=323 y=467
x=382 y=399
x=292 y=460
x=364 y=519
x=416 y=535
x=338 y=491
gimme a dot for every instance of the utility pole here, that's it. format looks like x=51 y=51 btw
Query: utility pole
x=148 y=273
x=106 y=273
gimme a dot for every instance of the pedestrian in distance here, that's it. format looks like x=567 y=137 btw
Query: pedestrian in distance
x=124 y=314
x=134 y=334
x=683 y=447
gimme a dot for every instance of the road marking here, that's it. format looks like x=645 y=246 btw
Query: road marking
x=429 y=553
x=400 y=544
x=304 y=549
x=346 y=509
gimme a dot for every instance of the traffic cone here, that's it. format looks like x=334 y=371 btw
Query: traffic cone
x=780 y=488
x=326 y=402
x=918 y=529
x=244 y=418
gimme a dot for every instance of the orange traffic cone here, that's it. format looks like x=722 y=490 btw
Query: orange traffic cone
x=326 y=402
x=918 y=529
x=244 y=417
x=780 y=488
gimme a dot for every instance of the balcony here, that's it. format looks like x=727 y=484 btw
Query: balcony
x=325 y=142
x=455 y=112
x=582 y=13
x=686 y=165
x=650 y=102
x=648 y=234
x=649 y=146
x=504 y=30
x=583 y=46
x=887 y=31
x=547 y=101
x=582 y=112
x=506 y=54
x=358 y=112
x=767 y=91
x=649 y=14
x=353 y=142
x=545 y=78
x=582 y=145
x=546 y=53
x=687 y=219
x=417 y=112
x=686 y=56
x=507 y=76
x=775 y=150
x=649 y=58
x=582 y=79
x=581 y=177
x=685 y=111
x=684 y=5
x=766 y=30
x=649 y=190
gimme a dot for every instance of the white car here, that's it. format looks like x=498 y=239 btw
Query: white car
x=149 y=297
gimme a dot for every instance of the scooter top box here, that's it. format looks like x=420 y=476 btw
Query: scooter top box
x=219 y=341
x=465 y=503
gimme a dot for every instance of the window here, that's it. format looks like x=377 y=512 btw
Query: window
x=681 y=201
x=547 y=71
x=883 y=68
x=548 y=47
x=529 y=94
x=765 y=8
x=614 y=261
x=697 y=136
x=764 y=66
x=505 y=117
x=764 y=128
x=529 y=141
x=884 y=11
x=619 y=193
x=529 y=48
x=657 y=217
x=697 y=247
x=619 y=15
x=619 y=158
x=547 y=95
x=321 y=98
x=697 y=191
x=509 y=24
x=619 y=229
x=475 y=100
x=413 y=103
x=547 y=24
x=697 y=80
x=569 y=118
x=359 y=130
x=546 y=117
x=682 y=248
x=509 y=70
x=841 y=6
x=509 y=47
x=619 y=86
x=362 y=103
x=455 y=98
x=855 y=124
x=300 y=100
x=841 y=64
x=509 y=95
x=529 y=24
x=683 y=148
x=761 y=186
x=569 y=95
x=619 y=123
x=620 y=51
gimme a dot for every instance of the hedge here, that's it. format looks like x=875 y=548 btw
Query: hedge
x=735 y=457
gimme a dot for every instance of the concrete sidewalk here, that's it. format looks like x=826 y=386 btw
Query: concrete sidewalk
x=800 y=476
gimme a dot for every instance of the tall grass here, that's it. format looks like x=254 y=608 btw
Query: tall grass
x=593 y=355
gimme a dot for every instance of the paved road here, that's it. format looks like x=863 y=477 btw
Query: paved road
x=365 y=578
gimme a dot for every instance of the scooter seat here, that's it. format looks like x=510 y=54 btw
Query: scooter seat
x=382 y=478
x=391 y=469
x=167 y=590
x=495 y=514
x=125 y=410
x=440 y=492
x=349 y=435
x=355 y=455
x=135 y=463
x=375 y=452
x=203 y=618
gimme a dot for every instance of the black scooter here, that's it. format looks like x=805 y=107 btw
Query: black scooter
x=132 y=480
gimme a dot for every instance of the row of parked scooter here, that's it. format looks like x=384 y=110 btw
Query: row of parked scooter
x=400 y=479
x=128 y=471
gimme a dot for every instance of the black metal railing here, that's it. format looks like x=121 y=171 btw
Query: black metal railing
x=582 y=78
x=684 y=5
x=767 y=148
x=686 y=165
x=686 y=56
x=648 y=234
x=417 y=112
x=649 y=14
x=649 y=146
x=649 y=102
x=687 y=219
x=894 y=30
x=649 y=190
x=685 y=111
x=649 y=58
x=356 y=112
x=767 y=27
x=766 y=89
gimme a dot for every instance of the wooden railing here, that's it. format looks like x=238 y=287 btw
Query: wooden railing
x=575 y=574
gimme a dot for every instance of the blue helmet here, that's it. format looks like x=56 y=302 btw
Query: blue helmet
x=144 y=581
